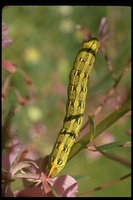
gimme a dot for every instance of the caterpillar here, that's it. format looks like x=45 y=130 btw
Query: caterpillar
x=77 y=91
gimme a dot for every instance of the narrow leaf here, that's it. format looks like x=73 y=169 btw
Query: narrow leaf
x=115 y=157
x=110 y=145
x=92 y=128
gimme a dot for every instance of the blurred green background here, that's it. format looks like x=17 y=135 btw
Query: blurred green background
x=45 y=43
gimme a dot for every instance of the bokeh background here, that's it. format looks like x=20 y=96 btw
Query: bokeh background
x=45 y=43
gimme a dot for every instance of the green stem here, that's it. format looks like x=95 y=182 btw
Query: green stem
x=106 y=123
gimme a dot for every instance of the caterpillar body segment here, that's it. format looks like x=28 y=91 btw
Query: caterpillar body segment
x=75 y=107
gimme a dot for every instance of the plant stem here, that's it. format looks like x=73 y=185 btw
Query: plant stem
x=106 y=123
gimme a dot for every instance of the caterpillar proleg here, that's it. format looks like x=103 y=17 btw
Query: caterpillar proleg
x=77 y=91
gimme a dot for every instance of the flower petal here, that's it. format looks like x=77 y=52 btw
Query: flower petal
x=64 y=186
x=30 y=192
x=5 y=39
x=8 y=66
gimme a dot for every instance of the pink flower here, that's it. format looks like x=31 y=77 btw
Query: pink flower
x=103 y=31
x=65 y=185
x=5 y=39
x=8 y=66
x=15 y=164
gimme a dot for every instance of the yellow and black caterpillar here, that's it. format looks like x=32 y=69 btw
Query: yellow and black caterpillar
x=77 y=91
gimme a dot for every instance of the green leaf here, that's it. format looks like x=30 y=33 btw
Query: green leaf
x=92 y=128
x=110 y=145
